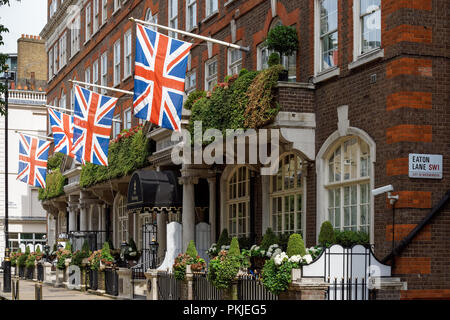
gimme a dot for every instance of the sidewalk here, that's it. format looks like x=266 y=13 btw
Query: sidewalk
x=26 y=292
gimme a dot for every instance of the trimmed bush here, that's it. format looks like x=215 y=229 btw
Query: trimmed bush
x=350 y=238
x=234 y=248
x=191 y=250
x=269 y=238
x=327 y=236
x=274 y=59
x=295 y=245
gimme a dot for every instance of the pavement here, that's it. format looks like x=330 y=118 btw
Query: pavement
x=27 y=288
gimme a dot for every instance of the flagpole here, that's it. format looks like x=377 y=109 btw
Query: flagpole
x=34 y=135
x=71 y=111
x=102 y=87
x=227 y=44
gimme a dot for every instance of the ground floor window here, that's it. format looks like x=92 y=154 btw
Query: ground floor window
x=22 y=240
x=238 y=202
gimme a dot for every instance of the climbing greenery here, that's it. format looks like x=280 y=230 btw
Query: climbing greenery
x=55 y=181
x=127 y=153
x=241 y=102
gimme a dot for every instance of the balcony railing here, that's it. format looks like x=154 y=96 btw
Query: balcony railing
x=26 y=97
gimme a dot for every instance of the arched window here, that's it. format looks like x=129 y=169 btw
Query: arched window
x=121 y=220
x=151 y=18
x=348 y=185
x=286 y=196
x=62 y=100
x=238 y=202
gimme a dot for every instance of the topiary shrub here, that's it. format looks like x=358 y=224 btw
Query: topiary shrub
x=350 y=238
x=274 y=59
x=224 y=239
x=68 y=246
x=191 y=250
x=295 y=245
x=327 y=235
x=282 y=39
x=268 y=239
x=234 y=248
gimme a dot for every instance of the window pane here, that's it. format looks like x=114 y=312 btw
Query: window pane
x=337 y=165
x=329 y=50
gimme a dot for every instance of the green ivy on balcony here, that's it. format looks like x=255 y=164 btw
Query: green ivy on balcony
x=55 y=181
x=244 y=101
x=127 y=153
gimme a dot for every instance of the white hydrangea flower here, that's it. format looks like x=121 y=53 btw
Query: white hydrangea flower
x=257 y=248
x=252 y=247
x=279 y=258
x=263 y=252
x=269 y=253
x=307 y=258
x=277 y=251
x=295 y=258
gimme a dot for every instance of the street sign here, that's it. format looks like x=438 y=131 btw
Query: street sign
x=425 y=166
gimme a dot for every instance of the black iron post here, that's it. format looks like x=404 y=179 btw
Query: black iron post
x=154 y=251
x=7 y=262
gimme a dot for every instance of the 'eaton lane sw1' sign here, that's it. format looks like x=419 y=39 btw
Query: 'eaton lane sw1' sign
x=425 y=166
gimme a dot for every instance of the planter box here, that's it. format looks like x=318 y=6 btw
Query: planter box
x=101 y=281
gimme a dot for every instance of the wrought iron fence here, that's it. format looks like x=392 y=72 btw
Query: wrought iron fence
x=95 y=239
x=169 y=288
x=204 y=290
x=251 y=288
x=111 y=282
x=350 y=289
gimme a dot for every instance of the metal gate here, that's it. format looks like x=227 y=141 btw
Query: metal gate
x=148 y=234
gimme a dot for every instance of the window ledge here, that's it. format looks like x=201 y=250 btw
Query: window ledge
x=210 y=16
x=74 y=54
x=85 y=42
x=228 y=3
x=190 y=30
x=366 y=58
x=115 y=11
x=325 y=75
x=127 y=77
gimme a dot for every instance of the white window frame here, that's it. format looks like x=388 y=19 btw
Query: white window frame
x=191 y=23
x=234 y=200
x=361 y=183
x=116 y=6
x=96 y=16
x=151 y=18
x=104 y=11
x=212 y=7
x=87 y=76
x=282 y=192
x=318 y=68
x=122 y=222
x=357 y=31
x=104 y=71
x=173 y=19
x=62 y=50
x=55 y=59
x=50 y=64
x=88 y=23
x=72 y=98
x=116 y=62
x=127 y=119
x=62 y=100
x=95 y=74
x=127 y=50
x=235 y=66
x=210 y=78
x=75 y=36
x=189 y=86
x=53 y=7
x=116 y=126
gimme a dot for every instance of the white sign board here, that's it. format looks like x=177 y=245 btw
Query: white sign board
x=427 y=166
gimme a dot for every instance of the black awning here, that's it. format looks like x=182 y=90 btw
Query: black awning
x=154 y=189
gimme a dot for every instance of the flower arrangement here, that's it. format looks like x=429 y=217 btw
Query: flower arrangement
x=21 y=259
x=94 y=259
x=31 y=258
x=61 y=256
x=13 y=258
x=191 y=258
x=127 y=133
x=106 y=258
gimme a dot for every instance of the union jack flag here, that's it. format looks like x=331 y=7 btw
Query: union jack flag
x=62 y=128
x=33 y=155
x=92 y=126
x=160 y=71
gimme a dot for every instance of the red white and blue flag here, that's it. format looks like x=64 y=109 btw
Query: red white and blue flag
x=62 y=129
x=160 y=72
x=33 y=155
x=92 y=126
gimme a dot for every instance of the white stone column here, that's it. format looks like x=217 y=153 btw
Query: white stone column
x=212 y=207
x=72 y=219
x=161 y=235
x=101 y=235
x=188 y=213
x=83 y=216
x=90 y=217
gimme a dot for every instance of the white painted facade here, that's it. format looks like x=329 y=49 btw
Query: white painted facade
x=25 y=212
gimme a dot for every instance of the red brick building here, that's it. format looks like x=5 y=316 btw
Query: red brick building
x=368 y=85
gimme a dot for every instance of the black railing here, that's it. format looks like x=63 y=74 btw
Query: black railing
x=251 y=288
x=204 y=290
x=111 y=282
x=40 y=272
x=348 y=289
x=169 y=288
x=95 y=239
x=93 y=279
